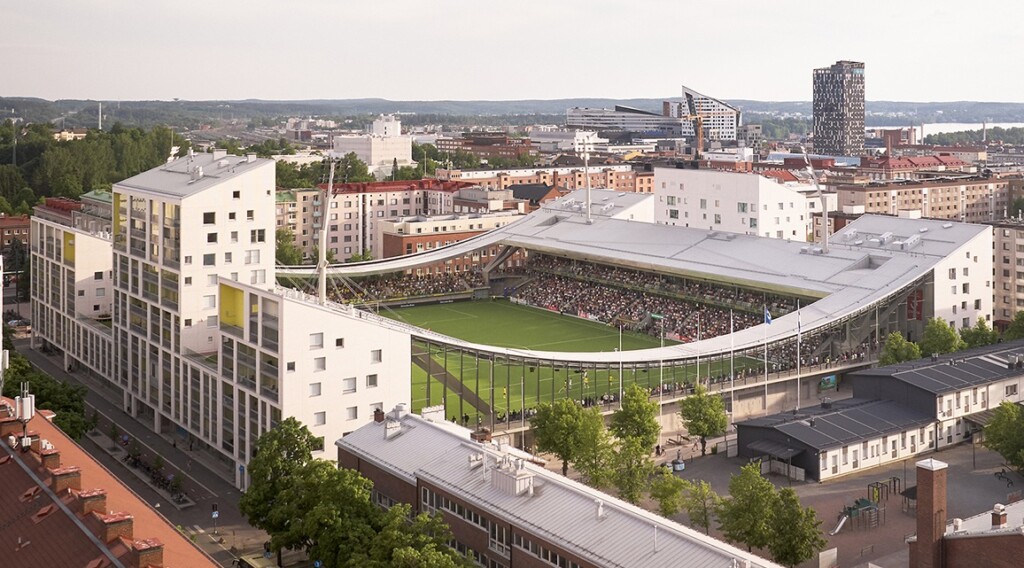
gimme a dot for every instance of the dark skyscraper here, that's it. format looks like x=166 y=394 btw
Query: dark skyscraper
x=839 y=109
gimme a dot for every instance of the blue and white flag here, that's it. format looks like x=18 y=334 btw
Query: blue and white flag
x=767 y=316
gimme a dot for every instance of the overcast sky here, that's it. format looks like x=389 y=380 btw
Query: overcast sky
x=915 y=50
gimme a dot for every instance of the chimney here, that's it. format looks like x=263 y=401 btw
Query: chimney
x=378 y=415
x=219 y=153
x=999 y=516
x=9 y=425
x=115 y=526
x=483 y=435
x=62 y=478
x=931 y=514
x=148 y=552
x=92 y=500
x=50 y=458
x=391 y=429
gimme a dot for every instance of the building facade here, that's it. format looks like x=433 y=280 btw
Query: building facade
x=721 y=120
x=623 y=118
x=381 y=149
x=839 y=109
x=618 y=177
x=975 y=199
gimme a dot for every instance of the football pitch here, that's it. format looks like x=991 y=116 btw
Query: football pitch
x=478 y=385
x=504 y=324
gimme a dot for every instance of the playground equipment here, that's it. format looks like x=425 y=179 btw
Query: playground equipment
x=843 y=517
x=868 y=512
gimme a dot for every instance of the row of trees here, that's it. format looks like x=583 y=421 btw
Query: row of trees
x=312 y=505
x=939 y=337
x=754 y=514
x=969 y=137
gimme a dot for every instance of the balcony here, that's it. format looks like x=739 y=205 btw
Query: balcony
x=232 y=330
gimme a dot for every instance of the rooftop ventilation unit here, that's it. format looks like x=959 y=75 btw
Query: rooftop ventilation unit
x=805 y=250
x=947 y=225
x=911 y=242
x=886 y=237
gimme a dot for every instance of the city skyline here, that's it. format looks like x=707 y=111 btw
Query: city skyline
x=454 y=51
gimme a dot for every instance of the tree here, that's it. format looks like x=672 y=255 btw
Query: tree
x=351 y=169
x=420 y=543
x=595 y=452
x=979 y=335
x=286 y=252
x=700 y=502
x=278 y=457
x=633 y=468
x=361 y=257
x=897 y=350
x=940 y=337
x=1017 y=208
x=637 y=418
x=668 y=491
x=1016 y=328
x=556 y=428
x=703 y=415
x=796 y=535
x=331 y=259
x=326 y=511
x=1004 y=433
x=65 y=399
x=745 y=516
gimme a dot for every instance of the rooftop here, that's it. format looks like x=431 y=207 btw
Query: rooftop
x=956 y=371
x=192 y=174
x=594 y=525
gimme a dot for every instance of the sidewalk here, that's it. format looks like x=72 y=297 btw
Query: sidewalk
x=204 y=486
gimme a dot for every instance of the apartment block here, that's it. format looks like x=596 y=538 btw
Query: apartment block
x=971 y=199
x=617 y=177
x=721 y=120
x=839 y=109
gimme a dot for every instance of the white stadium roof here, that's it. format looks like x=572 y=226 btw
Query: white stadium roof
x=868 y=260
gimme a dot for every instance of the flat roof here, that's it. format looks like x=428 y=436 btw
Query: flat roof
x=956 y=371
x=846 y=422
x=175 y=178
x=560 y=511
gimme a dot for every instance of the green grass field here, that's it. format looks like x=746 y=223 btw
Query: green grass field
x=505 y=324
x=514 y=385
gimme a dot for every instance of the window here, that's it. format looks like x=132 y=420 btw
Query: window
x=211 y=279
x=97 y=276
x=252 y=256
x=227 y=258
x=352 y=413
x=210 y=259
x=236 y=194
x=95 y=307
x=209 y=301
x=318 y=444
x=258 y=277
x=673 y=213
x=348 y=385
x=371 y=381
x=319 y=418
x=211 y=237
x=257 y=235
x=101 y=292
x=211 y=321
x=231 y=216
x=188 y=260
x=1011 y=390
x=376 y=356
x=81 y=293
x=234 y=236
x=339 y=342
x=314 y=388
x=188 y=322
x=290 y=366
x=188 y=280
x=320 y=364
x=249 y=215
x=209 y=218
x=316 y=340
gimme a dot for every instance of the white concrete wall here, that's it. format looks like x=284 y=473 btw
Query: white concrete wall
x=93 y=256
x=974 y=257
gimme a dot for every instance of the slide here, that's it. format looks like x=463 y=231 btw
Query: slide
x=839 y=527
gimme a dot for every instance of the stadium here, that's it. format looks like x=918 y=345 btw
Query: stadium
x=578 y=305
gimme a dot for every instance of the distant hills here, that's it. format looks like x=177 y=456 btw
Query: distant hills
x=191 y=114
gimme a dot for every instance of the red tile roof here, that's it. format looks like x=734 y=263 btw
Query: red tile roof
x=403 y=185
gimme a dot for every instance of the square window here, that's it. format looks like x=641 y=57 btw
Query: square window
x=371 y=381
x=352 y=413
x=188 y=260
x=316 y=340
x=234 y=236
x=211 y=321
x=209 y=218
x=188 y=280
x=319 y=418
x=209 y=302
x=211 y=279
x=210 y=259
x=314 y=388
x=81 y=293
x=231 y=216
x=227 y=258
x=376 y=356
x=339 y=342
x=236 y=194
x=211 y=237
x=290 y=366
x=97 y=276
x=249 y=216
x=348 y=385
x=95 y=307
x=188 y=322
x=320 y=364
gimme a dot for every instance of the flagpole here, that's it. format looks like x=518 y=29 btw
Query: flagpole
x=732 y=366
x=698 y=348
x=798 y=331
x=766 y=324
x=661 y=383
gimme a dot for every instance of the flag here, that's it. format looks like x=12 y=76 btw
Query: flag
x=767 y=316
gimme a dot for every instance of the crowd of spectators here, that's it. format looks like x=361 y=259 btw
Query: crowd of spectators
x=405 y=286
x=628 y=297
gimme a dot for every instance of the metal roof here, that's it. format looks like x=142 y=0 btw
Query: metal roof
x=857 y=272
x=847 y=422
x=956 y=371
x=560 y=511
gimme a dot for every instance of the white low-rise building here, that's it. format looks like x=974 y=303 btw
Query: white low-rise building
x=381 y=149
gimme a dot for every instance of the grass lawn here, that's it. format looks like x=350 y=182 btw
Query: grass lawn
x=506 y=386
x=505 y=324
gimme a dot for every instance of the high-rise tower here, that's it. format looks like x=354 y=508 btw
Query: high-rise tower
x=839 y=109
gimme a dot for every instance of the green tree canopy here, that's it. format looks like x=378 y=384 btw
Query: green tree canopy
x=897 y=350
x=1004 y=433
x=633 y=469
x=556 y=429
x=286 y=251
x=796 y=533
x=668 y=491
x=745 y=516
x=65 y=399
x=595 y=453
x=1016 y=328
x=703 y=415
x=637 y=417
x=979 y=335
x=700 y=502
x=939 y=337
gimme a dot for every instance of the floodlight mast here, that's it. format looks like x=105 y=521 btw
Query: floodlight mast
x=321 y=265
x=824 y=206
x=586 y=175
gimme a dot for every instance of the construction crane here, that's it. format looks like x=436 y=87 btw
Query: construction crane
x=698 y=131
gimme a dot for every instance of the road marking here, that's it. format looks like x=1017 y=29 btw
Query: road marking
x=199 y=529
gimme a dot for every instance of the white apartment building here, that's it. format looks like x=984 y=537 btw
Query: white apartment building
x=730 y=201
x=574 y=141
x=198 y=340
x=721 y=120
x=380 y=148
